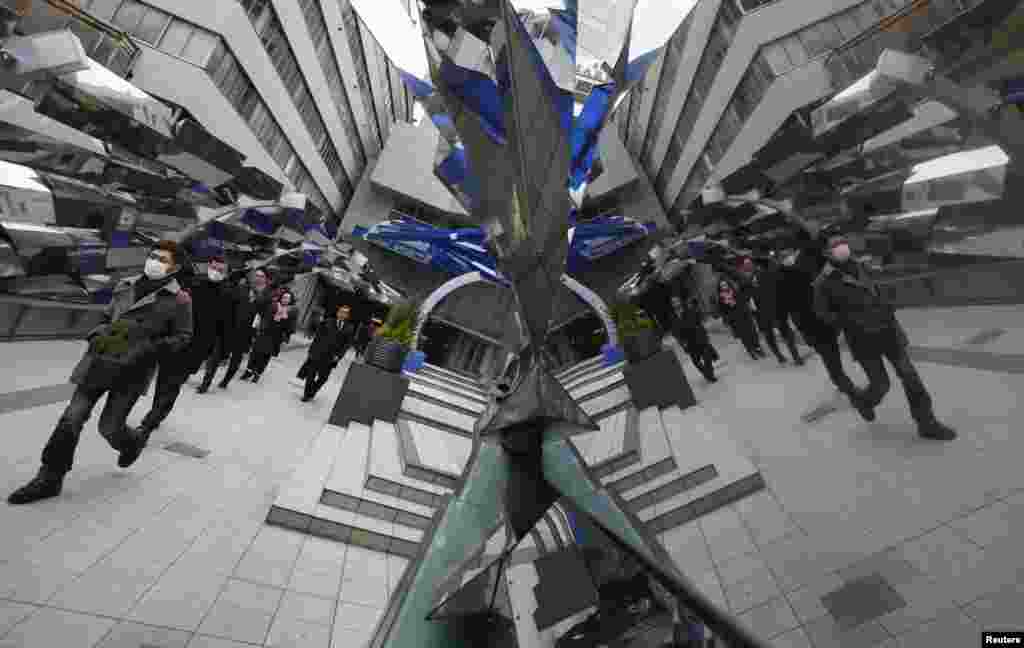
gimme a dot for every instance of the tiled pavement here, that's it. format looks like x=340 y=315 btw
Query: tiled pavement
x=174 y=552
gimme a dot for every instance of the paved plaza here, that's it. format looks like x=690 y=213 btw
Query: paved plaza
x=865 y=536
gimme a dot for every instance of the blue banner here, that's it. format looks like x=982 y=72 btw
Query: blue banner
x=92 y=258
x=259 y=221
x=1015 y=91
x=479 y=93
x=586 y=132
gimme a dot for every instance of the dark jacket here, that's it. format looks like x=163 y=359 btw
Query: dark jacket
x=246 y=306
x=331 y=341
x=796 y=297
x=212 y=316
x=766 y=287
x=270 y=331
x=847 y=298
x=158 y=323
x=688 y=326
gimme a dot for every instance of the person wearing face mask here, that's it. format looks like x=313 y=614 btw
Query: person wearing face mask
x=846 y=297
x=212 y=316
x=146 y=318
x=764 y=280
x=247 y=304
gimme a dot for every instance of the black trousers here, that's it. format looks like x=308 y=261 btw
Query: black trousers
x=258 y=361
x=700 y=350
x=219 y=356
x=768 y=325
x=871 y=354
x=317 y=374
x=59 y=452
x=168 y=387
x=826 y=343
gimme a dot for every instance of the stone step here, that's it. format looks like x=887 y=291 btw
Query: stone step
x=696 y=439
x=425 y=448
x=580 y=367
x=598 y=387
x=440 y=416
x=615 y=440
x=380 y=506
x=659 y=491
x=606 y=404
x=301 y=491
x=654 y=450
x=435 y=392
x=386 y=472
x=446 y=387
x=597 y=374
x=448 y=401
x=451 y=383
x=453 y=372
x=450 y=375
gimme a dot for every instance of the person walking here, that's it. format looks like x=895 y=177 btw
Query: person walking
x=846 y=297
x=763 y=281
x=287 y=329
x=329 y=346
x=212 y=313
x=689 y=331
x=736 y=312
x=268 y=330
x=145 y=318
x=247 y=303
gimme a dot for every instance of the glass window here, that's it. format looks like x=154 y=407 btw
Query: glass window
x=103 y=9
x=152 y=25
x=795 y=50
x=868 y=15
x=129 y=15
x=176 y=38
x=819 y=38
x=776 y=57
x=847 y=25
x=199 y=48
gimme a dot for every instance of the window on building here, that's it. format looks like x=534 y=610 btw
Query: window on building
x=751 y=5
x=199 y=48
x=129 y=15
x=152 y=26
x=102 y=9
x=176 y=38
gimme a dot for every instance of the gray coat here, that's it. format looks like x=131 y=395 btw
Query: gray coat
x=160 y=322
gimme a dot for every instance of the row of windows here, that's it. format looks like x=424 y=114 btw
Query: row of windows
x=271 y=33
x=355 y=44
x=722 y=34
x=206 y=49
x=673 y=56
x=317 y=26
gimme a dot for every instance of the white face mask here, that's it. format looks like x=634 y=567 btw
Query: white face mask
x=841 y=253
x=214 y=275
x=155 y=269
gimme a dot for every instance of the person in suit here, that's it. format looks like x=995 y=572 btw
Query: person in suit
x=332 y=340
x=248 y=303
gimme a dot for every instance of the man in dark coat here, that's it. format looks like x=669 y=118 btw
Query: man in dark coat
x=145 y=318
x=330 y=344
x=688 y=329
x=763 y=281
x=212 y=312
x=247 y=303
x=846 y=297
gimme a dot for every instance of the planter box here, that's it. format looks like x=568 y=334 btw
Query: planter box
x=659 y=381
x=642 y=345
x=369 y=394
x=414 y=361
x=386 y=354
x=612 y=355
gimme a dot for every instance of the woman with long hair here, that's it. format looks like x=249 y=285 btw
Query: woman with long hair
x=268 y=332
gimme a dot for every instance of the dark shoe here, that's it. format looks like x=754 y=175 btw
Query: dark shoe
x=782 y=359
x=132 y=452
x=247 y=375
x=202 y=389
x=866 y=411
x=799 y=361
x=144 y=432
x=223 y=384
x=306 y=399
x=936 y=431
x=44 y=485
x=255 y=378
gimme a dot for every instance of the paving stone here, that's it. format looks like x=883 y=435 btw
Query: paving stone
x=826 y=633
x=243 y=612
x=795 y=638
x=12 y=613
x=758 y=588
x=770 y=619
x=1002 y=608
x=862 y=600
x=806 y=601
x=49 y=627
x=136 y=635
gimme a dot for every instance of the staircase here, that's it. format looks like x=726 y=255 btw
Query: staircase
x=379 y=486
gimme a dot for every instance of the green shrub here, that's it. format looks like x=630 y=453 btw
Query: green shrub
x=400 y=323
x=630 y=319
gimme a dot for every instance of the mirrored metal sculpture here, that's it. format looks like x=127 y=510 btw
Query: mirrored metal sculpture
x=501 y=94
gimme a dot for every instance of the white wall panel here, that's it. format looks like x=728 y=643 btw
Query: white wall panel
x=336 y=30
